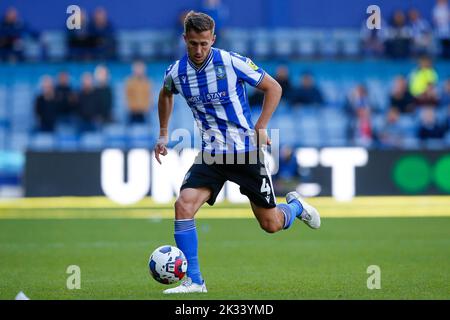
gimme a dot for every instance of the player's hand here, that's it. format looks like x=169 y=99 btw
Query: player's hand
x=160 y=148
x=263 y=138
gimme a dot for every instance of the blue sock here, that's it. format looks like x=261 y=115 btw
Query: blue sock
x=291 y=211
x=186 y=239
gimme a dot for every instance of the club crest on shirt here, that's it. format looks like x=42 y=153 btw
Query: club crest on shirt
x=220 y=72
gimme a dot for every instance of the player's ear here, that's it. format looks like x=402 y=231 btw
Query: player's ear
x=213 y=39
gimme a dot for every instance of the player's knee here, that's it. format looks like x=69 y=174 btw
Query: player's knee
x=269 y=226
x=184 y=209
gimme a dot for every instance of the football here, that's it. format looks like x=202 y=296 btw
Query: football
x=167 y=264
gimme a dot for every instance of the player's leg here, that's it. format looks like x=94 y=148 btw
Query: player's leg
x=271 y=220
x=202 y=184
x=186 y=206
x=283 y=215
x=255 y=182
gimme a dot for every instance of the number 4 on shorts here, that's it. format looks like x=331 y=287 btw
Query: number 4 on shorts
x=265 y=187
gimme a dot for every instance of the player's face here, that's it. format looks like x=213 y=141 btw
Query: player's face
x=198 y=45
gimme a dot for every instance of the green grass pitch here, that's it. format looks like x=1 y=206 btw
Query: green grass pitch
x=238 y=259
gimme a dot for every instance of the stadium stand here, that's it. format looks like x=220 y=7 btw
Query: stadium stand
x=334 y=52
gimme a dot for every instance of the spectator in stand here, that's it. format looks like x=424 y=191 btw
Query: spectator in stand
x=429 y=98
x=282 y=76
x=430 y=128
x=445 y=96
x=103 y=94
x=12 y=31
x=78 y=40
x=391 y=134
x=102 y=35
x=398 y=45
x=359 y=111
x=441 y=20
x=87 y=104
x=363 y=134
x=287 y=176
x=357 y=98
x=45 y=106
x=422 y=77
x=139 y=94
x=421 y=33
x=373 y=40
x=66 y=98
x=308 y=93
x=400 y=97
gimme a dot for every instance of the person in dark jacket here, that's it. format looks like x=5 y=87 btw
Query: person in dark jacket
x=308 y=93
x=103 y=93
x=46 y=106
x=102 y=35
x=430 y=128
x=65 y=97
x=87 y=104
x=12 y=32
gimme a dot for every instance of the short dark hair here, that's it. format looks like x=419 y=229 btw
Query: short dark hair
x=198 y=22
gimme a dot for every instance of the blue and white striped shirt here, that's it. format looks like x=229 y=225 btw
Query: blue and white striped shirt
x=217 y=97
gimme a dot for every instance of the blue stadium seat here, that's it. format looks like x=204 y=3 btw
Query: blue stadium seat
x=408 y=124
x=378 y=94
x=147 y=44
x=328 y=45
x=55 y=43
x=92 y=141
x=32 y=49
x=331 y=93
x=305 y=43
x=153 y=44
x=139 y=136
x=17 y=141
x=283 y=40
x=66 y=138
x=447 y=139
x=126 y=45
x=261 y=44
x=307 y=128
x=115 y=136
x=4 y=113
x=411 y=143
x=120 y=113
x=238 y=41
x=3 y=138
x=333 y=125
x=434 y=144
x=42 y=142
x=350 y=42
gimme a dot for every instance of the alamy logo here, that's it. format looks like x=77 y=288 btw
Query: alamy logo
x=74 y=20
x=74 y=280
x=374 y=280
x=374 y=20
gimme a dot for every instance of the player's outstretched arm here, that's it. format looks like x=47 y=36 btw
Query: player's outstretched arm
x=272 y=95
x=165 y=107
